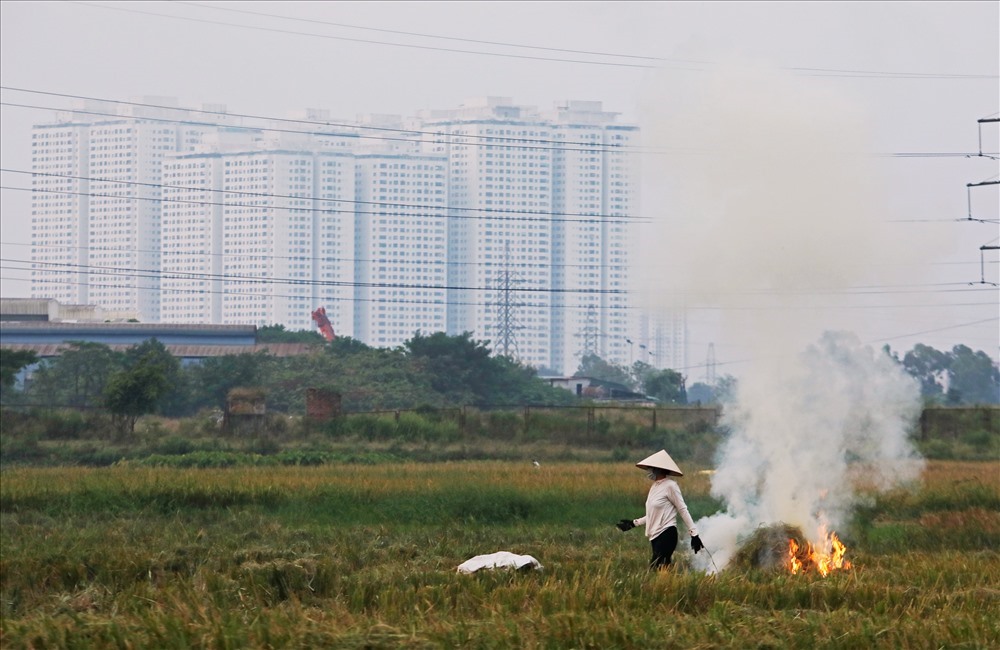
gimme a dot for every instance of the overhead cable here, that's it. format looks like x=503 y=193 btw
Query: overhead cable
x=495 y=141
x=543 y=215
x=659 y=62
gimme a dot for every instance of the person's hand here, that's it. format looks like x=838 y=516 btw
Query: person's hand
x=625 y=525
x=696 y=544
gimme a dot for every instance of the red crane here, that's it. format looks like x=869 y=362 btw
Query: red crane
x=323 y=323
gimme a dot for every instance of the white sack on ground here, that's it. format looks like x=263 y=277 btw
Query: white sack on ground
x=499 y=560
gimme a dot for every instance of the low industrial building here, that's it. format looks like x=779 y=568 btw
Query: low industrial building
x=42 y=326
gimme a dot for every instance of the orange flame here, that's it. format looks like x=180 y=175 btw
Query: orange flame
x=829 y=557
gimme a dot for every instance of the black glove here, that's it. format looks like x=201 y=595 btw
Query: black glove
x=625 y=525
x=696 y=544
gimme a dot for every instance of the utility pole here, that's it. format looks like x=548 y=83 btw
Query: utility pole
x=968 y=194
x=981 y=122
x=589 y=332
x=506 y=308
x=982 y=264
x=710 y=366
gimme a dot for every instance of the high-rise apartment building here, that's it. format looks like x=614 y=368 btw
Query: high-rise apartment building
x=402 y=252
x=258 y=236
x=493 y=218
x=540 y=205
x=500 y=199
x=60 y=208
x=96 y=210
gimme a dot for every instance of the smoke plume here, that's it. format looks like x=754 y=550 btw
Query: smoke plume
x=804 y=433
x=770 y=213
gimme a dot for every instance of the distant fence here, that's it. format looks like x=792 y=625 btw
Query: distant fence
x=589 y=418
x=935 y=422
x=950 y=422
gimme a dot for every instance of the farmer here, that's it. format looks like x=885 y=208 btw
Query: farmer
x=663 y=504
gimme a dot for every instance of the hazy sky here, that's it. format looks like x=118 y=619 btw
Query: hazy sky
x=774 y=130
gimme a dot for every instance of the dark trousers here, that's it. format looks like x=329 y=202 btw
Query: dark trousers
x=663 y=545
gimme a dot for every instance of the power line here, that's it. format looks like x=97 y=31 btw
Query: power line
x=393 y=300
x=588 y=218
x=71 y=268
x=490 y=140
x=368 y=41
x=310 y=258
x=801 y=70
x=493 y=140
x=446 y=38
x=454 y=137
x=184 y=275
x=933 y=331
x=403 y=261
x=386 y=299
x=545 y=216
x=379 y=260
x=289 y=208
x=398 y=300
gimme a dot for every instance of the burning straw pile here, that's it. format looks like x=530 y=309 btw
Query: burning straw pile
x=767 y=548
x=782 y=547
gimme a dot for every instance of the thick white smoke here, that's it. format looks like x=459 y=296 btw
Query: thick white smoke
x=805 y=432
x=769 y=211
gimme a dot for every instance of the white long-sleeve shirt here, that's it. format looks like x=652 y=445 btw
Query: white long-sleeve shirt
x=662 y=505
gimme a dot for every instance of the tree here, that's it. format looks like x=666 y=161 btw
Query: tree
x=216 y=376
x=725 y=388
x=594 y=366
x=278 y=334
x=150 y=373
x=957 y=377
x=973 y=378
x=665 y=385
x=930 y=368
x=701 y=393
x=76 y=377
x=12 y=362
x=458 y=366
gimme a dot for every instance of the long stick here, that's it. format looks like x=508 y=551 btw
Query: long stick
x=711 y=558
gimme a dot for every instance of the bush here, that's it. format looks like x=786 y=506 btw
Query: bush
x=265 y=446
x=174 y=446
x=20 y=450
x=502 y=425
x=981 y=439
x=64 y=425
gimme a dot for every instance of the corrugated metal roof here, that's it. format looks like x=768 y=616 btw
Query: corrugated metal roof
x=181 y=351
x=42 y=327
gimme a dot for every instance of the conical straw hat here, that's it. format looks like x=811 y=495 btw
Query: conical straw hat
x=661 y=460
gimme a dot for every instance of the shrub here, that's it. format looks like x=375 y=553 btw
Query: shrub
x=64 y=425
x=502 y=425
x=20 y=450
x=174 y=446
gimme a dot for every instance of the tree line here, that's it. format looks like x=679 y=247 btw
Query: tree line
x=436 y=370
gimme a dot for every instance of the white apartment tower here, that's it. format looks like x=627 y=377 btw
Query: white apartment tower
x=108 y=170
x=596 y=196
x=500 y=200
x=257 y=233
x=192 y=249
x=539 y=206
x=402 y=247
x=59 y=212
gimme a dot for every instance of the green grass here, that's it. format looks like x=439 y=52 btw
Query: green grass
x=364 y=556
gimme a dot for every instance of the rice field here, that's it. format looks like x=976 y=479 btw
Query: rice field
x=364 y=556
